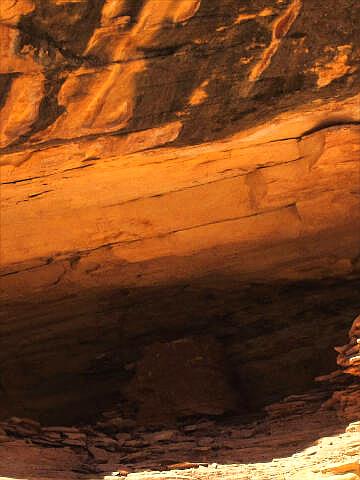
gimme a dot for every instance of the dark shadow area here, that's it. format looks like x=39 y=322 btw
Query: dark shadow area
x=65 y=360
x=336 y=121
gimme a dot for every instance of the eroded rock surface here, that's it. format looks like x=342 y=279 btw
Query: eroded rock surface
x=125 y=167
x=349 y=355
x=92 y=90
x=302 y=437
x=178 y=173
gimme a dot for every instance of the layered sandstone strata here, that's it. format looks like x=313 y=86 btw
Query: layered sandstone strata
x=179 y=207
x=159 y=159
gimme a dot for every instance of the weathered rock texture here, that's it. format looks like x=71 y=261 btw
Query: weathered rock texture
x=92 y=90
x=177 y=176
x=349 y=355
x=304 y=437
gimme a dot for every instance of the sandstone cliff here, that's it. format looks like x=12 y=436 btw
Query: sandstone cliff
x=180 y=221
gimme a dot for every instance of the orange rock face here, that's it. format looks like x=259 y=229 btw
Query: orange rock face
x=180 y=205
x=71 y=143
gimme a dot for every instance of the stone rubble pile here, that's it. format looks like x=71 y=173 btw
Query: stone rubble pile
x=118 y=444
x=349 y=354
x=345 y=398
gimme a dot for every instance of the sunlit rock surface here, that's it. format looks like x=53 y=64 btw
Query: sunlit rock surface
x=180 y=199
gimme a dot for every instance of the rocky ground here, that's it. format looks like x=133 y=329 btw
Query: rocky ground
x=310 y=436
